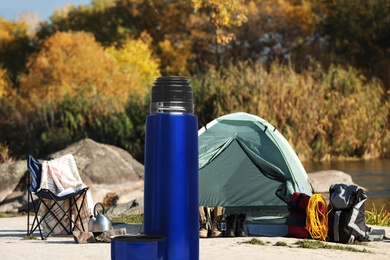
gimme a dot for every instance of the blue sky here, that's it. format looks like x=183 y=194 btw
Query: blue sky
x=12 y=9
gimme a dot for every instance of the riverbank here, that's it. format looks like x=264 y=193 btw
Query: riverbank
x=14 y=246
x=374 y=175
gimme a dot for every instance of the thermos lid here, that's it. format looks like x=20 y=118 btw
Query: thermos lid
x=171 y=94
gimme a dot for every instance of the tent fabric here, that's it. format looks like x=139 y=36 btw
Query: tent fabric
x=245 y=162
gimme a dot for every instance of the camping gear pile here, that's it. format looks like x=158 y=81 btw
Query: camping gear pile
x=246 y=165
x=342 y=221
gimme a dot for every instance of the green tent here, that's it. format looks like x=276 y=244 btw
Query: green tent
x=246 y=165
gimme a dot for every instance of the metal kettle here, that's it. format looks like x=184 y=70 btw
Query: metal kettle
x=99 y=222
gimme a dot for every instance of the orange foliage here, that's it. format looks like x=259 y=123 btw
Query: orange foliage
x=174 y=58
x=5 y=86
x=69 y=64
x=298 y=13
x=222 y=14
x=74 y=64
x=135 y=62
x=15 y=43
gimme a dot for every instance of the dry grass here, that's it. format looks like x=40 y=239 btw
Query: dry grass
x=378 y=218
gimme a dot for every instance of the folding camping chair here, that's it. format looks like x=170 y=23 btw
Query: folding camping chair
x=63 y=210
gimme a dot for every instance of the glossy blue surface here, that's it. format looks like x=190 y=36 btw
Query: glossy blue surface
x=171 y=183
x=137 y=247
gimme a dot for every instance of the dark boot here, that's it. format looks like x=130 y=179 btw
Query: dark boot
x=240 y=231
x=230 y=221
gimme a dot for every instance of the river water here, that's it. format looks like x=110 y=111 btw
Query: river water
x=374 y=175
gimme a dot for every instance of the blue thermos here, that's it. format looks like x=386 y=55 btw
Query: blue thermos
x=171 y=169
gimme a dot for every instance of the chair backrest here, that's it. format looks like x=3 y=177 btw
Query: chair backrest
x=35 y=169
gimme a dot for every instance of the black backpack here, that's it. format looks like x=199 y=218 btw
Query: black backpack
x=346 y=220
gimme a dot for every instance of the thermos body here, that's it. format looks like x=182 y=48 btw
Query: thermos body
x=171 y=187
x=171 y=183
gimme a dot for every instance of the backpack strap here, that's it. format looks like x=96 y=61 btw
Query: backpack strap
x=376 y=234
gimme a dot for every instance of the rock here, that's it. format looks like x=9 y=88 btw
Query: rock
x=16 y=202
x=81 y=237
x=102 y=163
x=105 y=237
x=132 y=207
x=322 y=180
x=105 y=169
x=11 y=174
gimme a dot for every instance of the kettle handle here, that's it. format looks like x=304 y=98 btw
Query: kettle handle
x=94 y=208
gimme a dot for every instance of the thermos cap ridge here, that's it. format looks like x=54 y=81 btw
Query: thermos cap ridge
x=171 y=94
x=171 y=88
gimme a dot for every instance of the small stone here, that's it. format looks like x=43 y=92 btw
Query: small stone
x=81 y=237
x=106 y=235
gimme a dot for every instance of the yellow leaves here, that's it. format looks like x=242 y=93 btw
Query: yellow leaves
x=74 y=64
x=174 y=58
x=224 y=37
x=292 y=12
x=24 y=26
x=134 y=60
x=303 y=16
x=11 y=31
x=279 y=14
x=67 y=65
x=5 y=35
x=222 y=14
x=5 y=87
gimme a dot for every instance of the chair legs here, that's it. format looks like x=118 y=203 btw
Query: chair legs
x=56 y=213
x=36 y=223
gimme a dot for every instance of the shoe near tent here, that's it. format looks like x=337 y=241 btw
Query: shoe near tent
x=246 y=165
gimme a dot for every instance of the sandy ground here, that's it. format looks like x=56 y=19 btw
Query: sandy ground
x=13 y=246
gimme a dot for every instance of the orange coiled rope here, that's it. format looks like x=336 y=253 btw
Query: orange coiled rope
x=317 y=217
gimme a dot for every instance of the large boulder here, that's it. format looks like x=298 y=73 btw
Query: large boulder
x=11 y=175
x=322 y=180
x=104 y=168
x=102 y=163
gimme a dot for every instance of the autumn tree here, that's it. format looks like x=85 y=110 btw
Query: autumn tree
x=10 y=118
x=15 y=45
x=112 y=22
x=74 y=64
x=136 y=62
x=69 y=64
x=223 y=15
x=185 y=33
x=358 y=34
x=4 y=84
x=275 y=30
x=75 y=88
